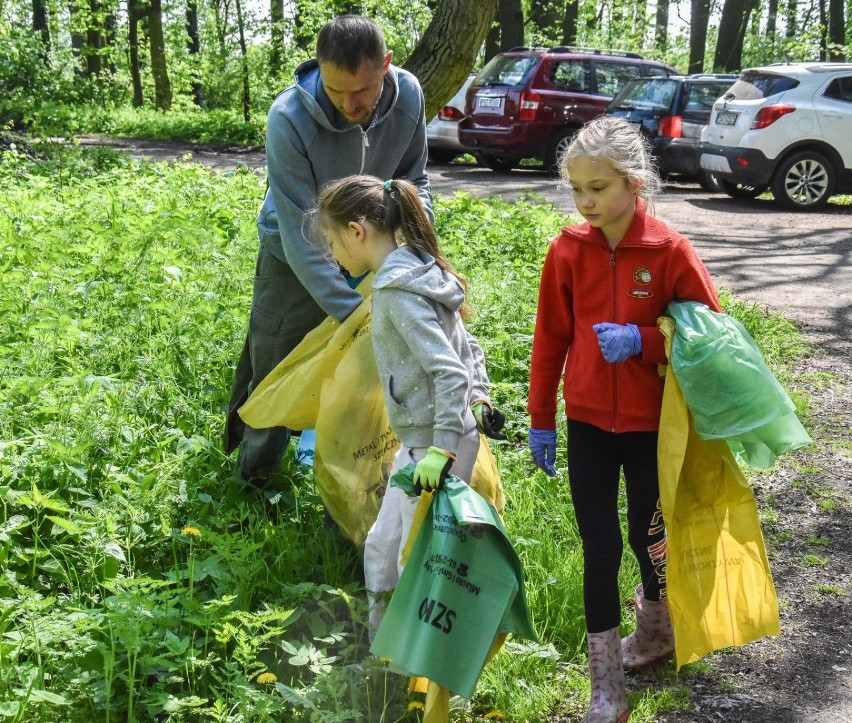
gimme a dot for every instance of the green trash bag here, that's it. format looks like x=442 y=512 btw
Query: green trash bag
x=728 y=387
x=462 y=586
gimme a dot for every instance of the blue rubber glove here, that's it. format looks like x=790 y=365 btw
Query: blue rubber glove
x=431 y=471
x=542 y=444
x=618 y=342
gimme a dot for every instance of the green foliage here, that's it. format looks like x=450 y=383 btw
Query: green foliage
x=141 y=582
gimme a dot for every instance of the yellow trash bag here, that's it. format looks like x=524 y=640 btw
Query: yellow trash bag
x=330 y=383
x=719 y=586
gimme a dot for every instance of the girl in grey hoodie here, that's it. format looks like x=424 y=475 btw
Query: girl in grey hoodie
x=431 y=369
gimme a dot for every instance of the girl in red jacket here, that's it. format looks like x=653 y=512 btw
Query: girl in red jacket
x=603 y=286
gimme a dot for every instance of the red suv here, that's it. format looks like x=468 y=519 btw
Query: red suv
x=530 y=102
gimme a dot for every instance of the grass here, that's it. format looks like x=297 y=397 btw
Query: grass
x=140 y=581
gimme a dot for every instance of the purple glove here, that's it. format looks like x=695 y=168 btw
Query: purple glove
x=618 y=342
x=542 y=444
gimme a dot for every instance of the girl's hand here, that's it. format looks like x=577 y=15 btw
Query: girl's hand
x=618 y=343
x=542 y=444
x=489 y=421
x=431 y=471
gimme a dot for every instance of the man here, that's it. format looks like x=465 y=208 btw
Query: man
x=349 y=111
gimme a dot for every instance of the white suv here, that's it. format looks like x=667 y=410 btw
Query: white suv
x=786 y=126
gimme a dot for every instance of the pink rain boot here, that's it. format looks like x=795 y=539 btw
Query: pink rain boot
x=609 y=701
x=652 y=641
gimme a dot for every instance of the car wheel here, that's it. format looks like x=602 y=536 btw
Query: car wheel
x=741 y=191
x=709 y=182
x=500 y=164
x=804 y=180
x=556 y=149
x=441 y=155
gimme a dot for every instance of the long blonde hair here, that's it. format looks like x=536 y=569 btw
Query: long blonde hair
x=390 y=206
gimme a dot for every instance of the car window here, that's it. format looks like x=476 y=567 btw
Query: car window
x=571 y=75
x=701 y=97
x=655 y=70
x=757 y=85
x=611 y=77
x=840 y=89
x=654 y=94
x=506 y=70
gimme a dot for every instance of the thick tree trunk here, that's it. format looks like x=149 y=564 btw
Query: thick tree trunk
x=193 y=46
x=510 y=16
x=94 y=41
x=448 y=49
x=40 y=27
x=700 y=17
x=772 y=25
x=661 y=24
x=836 y=30
x=732 y=29
x=790 y=14
x=244 y=62
x=133 y=15
x=159 y=69
x=276 y=37
x=569 y=22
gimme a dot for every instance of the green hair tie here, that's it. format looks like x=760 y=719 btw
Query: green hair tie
x=389 y=185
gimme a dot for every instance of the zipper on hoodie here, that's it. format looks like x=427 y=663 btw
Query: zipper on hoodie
x=365 y=144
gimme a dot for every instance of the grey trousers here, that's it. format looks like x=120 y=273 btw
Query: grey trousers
x=282 y=313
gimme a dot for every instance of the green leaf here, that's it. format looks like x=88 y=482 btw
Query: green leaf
x=46 y=696
x=66 y=525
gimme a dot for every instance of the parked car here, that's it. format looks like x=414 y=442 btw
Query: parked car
x=671 y=112
x=530 y=102
x=788 y=127
x=442 y=132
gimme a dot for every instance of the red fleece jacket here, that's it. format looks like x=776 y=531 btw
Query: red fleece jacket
x=584 y=282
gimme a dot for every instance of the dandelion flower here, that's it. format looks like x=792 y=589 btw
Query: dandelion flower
x=191 y=531
x=267 y=678
x=415 y=705
x=493 y=714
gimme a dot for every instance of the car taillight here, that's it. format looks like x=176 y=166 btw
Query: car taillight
x=671 y=126
x=769 y=114
x=448 y=113
x=529 y=105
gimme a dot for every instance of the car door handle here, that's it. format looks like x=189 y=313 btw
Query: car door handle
x=832 y=116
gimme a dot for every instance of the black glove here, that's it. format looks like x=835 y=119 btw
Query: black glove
x=489 y=421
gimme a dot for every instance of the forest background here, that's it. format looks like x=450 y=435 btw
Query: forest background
x=102 y=66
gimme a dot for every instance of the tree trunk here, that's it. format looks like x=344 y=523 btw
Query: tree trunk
x=836 y=31
x=732 y=29
x=448 y=49
x=40 y=26
x=133 y=15
x=159 y=69
x=792 y=25
x=569 y=22
x=510 y=17
x=823 y=31
x=244 y=63
x=276 y=37
x=700 y=17
x=772 y=25
x=193 y=46
x=94 y=41
x=661 y=24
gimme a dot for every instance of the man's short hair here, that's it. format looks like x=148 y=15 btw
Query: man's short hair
x=349 y=41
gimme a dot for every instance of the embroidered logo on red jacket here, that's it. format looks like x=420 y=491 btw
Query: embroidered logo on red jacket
x=640 y=293
x=642 y=275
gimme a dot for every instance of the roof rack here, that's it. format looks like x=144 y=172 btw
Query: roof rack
x=522 y=48
x=594 y=51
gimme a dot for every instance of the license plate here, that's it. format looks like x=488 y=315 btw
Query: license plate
x=726 y=118
x=489 y=102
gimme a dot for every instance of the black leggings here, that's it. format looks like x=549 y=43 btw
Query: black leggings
x=595 y=458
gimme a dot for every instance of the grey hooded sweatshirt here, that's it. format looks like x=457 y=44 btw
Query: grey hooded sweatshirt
x=431 y=368
x=309 y=143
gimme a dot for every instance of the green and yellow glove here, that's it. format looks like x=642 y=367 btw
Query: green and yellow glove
x=489 y=421
x=431 y=471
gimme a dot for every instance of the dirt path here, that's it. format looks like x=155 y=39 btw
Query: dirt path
x=798 y=264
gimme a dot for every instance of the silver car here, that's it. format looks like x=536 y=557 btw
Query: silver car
x=442 y=133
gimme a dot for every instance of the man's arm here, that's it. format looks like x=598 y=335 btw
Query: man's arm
x=293 y=189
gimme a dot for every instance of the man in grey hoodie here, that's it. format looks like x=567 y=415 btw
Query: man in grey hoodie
x=349 y=112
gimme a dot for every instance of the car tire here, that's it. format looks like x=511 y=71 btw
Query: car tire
x=556 y=149
x=709 y=182
x=803 y=181
x=499 y=164
x=741 y=191
x=441 y=155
